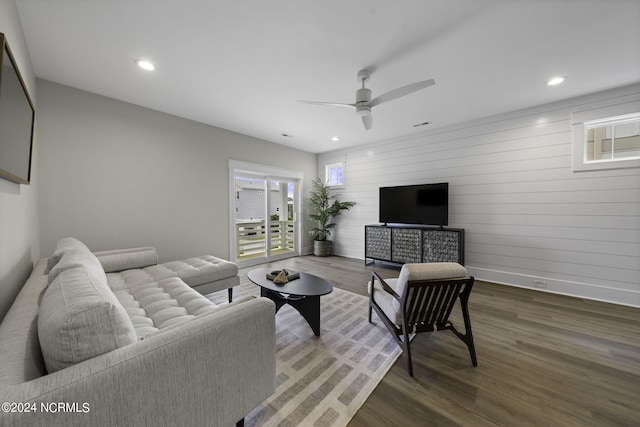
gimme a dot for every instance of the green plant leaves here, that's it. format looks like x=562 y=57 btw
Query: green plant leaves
x=326 y=207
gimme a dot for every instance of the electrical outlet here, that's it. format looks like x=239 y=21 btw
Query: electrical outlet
x=539 y=283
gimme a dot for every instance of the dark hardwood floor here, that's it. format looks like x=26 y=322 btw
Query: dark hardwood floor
x=543 y=360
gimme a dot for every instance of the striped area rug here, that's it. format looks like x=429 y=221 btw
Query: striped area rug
x=323 y=381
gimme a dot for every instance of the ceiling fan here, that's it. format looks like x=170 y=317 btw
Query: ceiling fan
x=364 y=103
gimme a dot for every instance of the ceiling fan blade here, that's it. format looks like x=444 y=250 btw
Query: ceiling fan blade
x=367 y=121
x=401 y=91
x=330 y=104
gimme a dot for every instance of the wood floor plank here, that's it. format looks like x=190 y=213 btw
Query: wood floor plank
x=543 y=359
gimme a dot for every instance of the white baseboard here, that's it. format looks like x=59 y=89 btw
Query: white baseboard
x=544 y=284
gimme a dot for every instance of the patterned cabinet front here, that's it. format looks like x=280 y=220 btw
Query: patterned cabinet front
x=442 y=246
x=405 y=245
x=378 y=242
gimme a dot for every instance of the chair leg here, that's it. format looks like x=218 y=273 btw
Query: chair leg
x=472 y=351
x=230 y=290
x=407 y=350
x=467 y=338
x=370 y=309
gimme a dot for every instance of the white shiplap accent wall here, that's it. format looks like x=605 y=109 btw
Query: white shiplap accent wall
x=528 y=217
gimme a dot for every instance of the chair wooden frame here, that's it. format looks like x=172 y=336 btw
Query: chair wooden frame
x=426 y=306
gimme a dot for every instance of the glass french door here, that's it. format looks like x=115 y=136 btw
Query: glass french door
x=265 y=214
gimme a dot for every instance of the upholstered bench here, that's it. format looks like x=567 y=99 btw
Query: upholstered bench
x=206 y=274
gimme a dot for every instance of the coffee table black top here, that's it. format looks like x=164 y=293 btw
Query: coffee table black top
x=306 y=285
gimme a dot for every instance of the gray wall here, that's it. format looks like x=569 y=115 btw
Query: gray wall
x=528 y=216
x=18 y=203
x=117 y=175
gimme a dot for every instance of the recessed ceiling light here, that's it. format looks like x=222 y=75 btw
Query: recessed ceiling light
x=556 y=80
x=335 y=138
x=145 y=65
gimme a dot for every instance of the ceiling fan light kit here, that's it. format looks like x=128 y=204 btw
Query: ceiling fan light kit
x=363 y=110
x=364 y=103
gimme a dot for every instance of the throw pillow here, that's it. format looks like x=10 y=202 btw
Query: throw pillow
x=65 y=244
x=80 y=318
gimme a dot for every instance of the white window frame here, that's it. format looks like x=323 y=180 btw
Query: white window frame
x=327 y=175
x=611 y=121
x=582 y=121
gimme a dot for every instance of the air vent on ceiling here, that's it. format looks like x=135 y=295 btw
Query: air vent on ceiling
x=421 y=124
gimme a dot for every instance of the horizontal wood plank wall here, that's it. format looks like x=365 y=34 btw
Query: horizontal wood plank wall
x=530 y=220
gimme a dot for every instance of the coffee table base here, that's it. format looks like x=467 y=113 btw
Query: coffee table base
x=307 y=306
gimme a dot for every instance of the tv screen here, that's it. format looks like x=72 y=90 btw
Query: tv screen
x=426 y=204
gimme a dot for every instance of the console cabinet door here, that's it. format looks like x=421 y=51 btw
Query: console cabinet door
x=405 y=245
x=442 y=246
x=378 y=243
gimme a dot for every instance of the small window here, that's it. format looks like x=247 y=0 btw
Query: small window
x=607 y=143
x=334 y=174
x=613 y=138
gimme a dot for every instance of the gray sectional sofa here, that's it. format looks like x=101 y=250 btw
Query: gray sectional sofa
x=114 y=338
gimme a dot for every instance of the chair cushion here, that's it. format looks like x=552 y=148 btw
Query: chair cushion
x=386 y=302
x=428 y=271
x=416 y=271
x=434 y=271
x=80 y=318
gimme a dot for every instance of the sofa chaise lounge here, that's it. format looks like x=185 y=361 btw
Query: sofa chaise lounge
x=114 y=338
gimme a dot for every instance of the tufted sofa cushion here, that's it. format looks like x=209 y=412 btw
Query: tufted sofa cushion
x=193 y=271
x=80 y=318
x=138 y=276
x=161 y=305
x=198 y=270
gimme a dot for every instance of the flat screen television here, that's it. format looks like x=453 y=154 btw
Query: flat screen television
x=16 y=120
x=425 y=204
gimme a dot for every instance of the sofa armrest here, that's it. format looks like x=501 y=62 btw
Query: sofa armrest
x=126 y=259
x=212 y=371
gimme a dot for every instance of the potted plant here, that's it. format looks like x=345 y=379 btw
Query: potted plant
x=326 y=208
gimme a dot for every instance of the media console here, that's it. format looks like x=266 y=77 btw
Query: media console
x=412 y=244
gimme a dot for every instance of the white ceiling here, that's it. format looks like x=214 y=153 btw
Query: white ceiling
x=242 y=65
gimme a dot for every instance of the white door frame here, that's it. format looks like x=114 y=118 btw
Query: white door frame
x=268 y=173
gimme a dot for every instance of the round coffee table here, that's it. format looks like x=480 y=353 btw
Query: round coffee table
x=303 y=293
